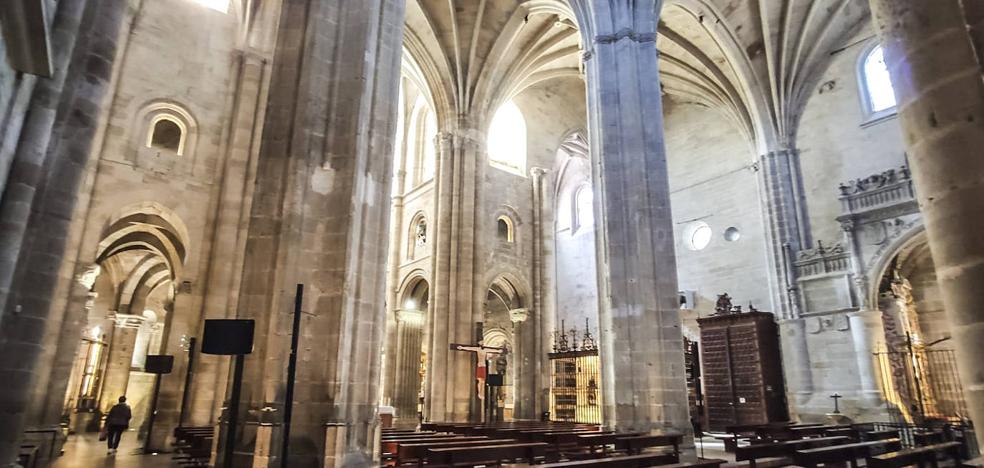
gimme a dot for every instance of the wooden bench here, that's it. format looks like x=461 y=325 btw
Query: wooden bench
x=753 y=453
x=602 y=440
x=625 y=461
x=27 y=456
x=193 y=445
x=390 y=446
x=486 y=454
x=848 y=453
x=417 y=451
x=881 y=435
x=636 y=444
x=922 y=457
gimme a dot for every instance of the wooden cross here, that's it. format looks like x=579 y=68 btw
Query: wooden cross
x=482 y=354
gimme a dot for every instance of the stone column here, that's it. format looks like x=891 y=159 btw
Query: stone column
x=451 y=375
x=397 y=237
x=525 y=354
x=788 y=232
x=46 y=187
x=868 y=334
x=320 y=217
x=121 y=347
x=410 y=335
x=937 y=78
x=641 y=343
x=530 y=335
x=796 y=360
x=221 y=281
x=867 y=326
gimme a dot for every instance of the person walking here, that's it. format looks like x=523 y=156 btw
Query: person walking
x=117 y=421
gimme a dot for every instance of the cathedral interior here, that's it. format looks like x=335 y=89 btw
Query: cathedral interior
x=340 y=233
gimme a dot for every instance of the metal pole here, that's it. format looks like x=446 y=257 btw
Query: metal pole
x=153 y=413
x=188 y=376
x=291 y=374
x=233 y=415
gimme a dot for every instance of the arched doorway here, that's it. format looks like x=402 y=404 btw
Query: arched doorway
x=411 y=353
x=131 y=286
x=504 y=313
x=918 y=368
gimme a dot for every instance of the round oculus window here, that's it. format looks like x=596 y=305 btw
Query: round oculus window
x=698 y=235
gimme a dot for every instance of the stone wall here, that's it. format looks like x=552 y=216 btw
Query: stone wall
x=838 y=142
x=713 y=180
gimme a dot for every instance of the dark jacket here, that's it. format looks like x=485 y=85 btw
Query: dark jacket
x=119 y=415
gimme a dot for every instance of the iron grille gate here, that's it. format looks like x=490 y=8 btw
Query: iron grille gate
x=575 y=393
x=922 y=385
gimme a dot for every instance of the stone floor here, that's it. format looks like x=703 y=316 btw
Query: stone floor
x=86 y=451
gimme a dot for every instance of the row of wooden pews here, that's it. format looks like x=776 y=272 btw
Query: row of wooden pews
x=546 y=444
x=193 y=445
x=814 y=445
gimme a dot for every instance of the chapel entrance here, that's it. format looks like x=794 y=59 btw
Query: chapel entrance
x=918 y=368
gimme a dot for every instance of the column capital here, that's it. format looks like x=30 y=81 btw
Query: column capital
x=519 y=315
x=127 y=320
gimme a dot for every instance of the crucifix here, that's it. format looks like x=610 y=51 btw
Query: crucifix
x=482 y=355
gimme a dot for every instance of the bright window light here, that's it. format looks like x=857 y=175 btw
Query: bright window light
x=218 y=5
x=507 y=140
x=881 y=95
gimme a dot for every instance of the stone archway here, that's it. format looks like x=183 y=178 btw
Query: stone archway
x=132 y=284
x=918 y=368
x=409 y=360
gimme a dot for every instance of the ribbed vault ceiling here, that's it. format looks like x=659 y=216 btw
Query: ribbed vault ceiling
x=476 y=54
x=757 y=60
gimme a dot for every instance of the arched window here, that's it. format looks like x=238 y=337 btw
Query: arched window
x=583 y=215
x=877 y=93
x=166 y=133
x=507 y=140
x=505 y=230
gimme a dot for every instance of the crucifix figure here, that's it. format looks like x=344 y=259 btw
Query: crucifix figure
x=482 y=353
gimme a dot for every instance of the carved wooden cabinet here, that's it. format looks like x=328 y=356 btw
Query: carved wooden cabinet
x=743 y=382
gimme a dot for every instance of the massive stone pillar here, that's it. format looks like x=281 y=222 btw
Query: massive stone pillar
x=320 y=217
x=451 y=375
x=40 y=196
x=641 y=342
x=937 y=77
x=221 y=282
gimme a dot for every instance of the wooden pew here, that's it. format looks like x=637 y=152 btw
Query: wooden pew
x=922 y=457
x=390 y=446
x=416 y=452
x=27 y=456
x=881 y=435
x=624 y=461
x=753 y=453
x=848 y=453
x=594 y=441
x=193 y=445
x=636 y=444
x=486 y=454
